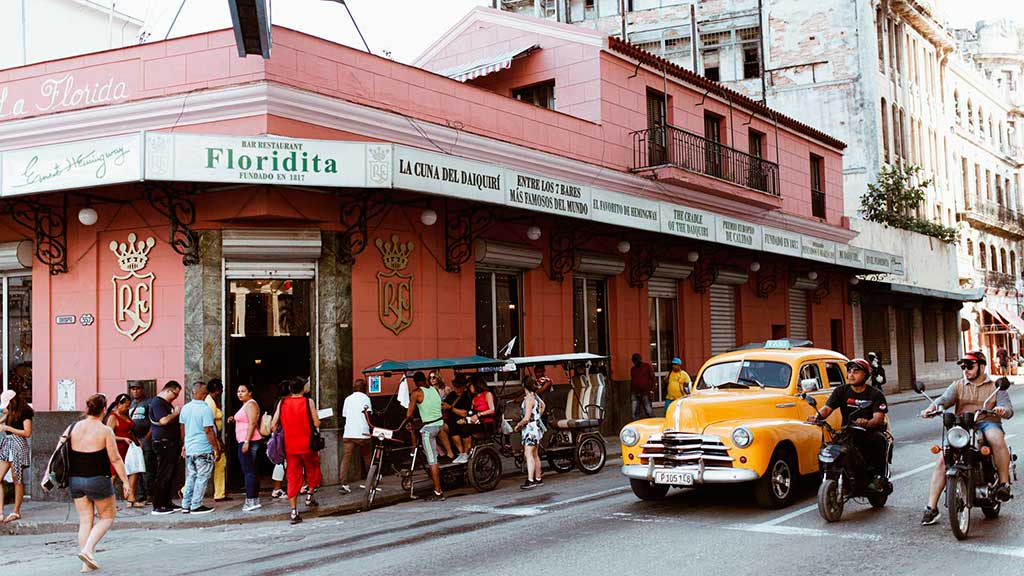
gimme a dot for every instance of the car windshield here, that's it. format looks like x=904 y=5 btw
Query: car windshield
x=746 y=374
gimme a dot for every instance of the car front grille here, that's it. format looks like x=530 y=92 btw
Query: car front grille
x=683 y=448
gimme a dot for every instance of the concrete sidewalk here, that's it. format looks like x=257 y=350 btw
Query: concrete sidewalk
x=51 y=517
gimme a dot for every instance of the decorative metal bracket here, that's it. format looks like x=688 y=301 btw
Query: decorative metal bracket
x=49 y=227
x=461 y=228
x=767 y=281
x=642 y=265
x=173 y=201
x=705 y=272
x=823 y=290
x=356 y=212
x=564 y=244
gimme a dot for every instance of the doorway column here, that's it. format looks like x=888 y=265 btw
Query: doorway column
x=203 y=312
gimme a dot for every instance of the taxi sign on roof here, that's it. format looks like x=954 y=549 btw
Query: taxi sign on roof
x=777 y=345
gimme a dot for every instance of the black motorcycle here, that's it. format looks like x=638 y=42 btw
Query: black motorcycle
x=971 y=475
x=844 y=470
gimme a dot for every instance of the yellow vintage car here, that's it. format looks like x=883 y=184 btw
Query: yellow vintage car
x=743 y=422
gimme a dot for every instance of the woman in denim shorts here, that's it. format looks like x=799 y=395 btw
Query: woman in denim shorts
x=93 y=451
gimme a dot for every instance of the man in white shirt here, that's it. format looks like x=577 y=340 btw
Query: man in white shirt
x=357 y=433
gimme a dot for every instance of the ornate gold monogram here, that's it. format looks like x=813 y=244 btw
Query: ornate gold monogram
x=394 y=294
x=133 y=292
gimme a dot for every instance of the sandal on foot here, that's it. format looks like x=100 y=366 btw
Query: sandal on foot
x=88 y=560
x=12 y=517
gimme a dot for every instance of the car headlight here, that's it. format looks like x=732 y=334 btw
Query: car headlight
x=957 y=437
x=629 y=436
x=741 y=437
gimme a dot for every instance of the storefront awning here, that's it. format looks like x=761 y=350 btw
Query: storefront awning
x=997 y=315
x=1013 y=318
x=484 y=66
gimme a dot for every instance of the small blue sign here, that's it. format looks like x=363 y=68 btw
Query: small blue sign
x=374 y=382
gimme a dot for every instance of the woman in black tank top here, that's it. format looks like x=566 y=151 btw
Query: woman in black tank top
x=93 y=451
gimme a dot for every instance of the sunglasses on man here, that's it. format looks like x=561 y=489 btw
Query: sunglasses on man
x=967 y=365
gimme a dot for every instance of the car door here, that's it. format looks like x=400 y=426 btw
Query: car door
x=836 y=377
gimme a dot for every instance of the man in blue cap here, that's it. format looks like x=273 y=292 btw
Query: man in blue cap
x=678 y=383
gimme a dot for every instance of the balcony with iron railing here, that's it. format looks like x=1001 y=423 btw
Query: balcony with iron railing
x=669 y=153
x=995 y=218
x=1000 y=280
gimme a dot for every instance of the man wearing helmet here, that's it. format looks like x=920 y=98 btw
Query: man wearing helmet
x=967 y=395
x=864 y=406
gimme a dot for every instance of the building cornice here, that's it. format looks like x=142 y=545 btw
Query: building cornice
x=266 y=98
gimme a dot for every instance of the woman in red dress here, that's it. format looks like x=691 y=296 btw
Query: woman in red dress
x=119 y=420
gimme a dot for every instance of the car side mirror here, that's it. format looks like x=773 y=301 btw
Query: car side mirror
x=1003 y=383
x=810 y=400
x=809 y=384
x=919 y=387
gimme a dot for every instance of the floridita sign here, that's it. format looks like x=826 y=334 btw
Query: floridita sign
x=68 y=90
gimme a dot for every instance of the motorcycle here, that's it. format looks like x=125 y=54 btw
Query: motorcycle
x=844 y=470
x=971 y=475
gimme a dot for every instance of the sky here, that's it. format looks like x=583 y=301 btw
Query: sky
x=403 y=29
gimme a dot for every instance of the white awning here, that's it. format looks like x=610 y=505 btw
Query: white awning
x=1015 y=320
x=484 y=66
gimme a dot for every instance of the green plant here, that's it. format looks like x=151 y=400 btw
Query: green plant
x=894 y=199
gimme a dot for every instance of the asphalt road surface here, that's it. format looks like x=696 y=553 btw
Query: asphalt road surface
x=583 y=524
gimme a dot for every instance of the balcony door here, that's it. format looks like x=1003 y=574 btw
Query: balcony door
x=713 y=141
x=655 y=128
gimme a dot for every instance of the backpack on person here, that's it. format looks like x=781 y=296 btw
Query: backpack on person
x=58 y=469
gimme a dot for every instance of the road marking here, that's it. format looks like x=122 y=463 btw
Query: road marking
x=806 y=509
x=513 y=511
x=796 y=531
x=537 y=510
x=988 y=549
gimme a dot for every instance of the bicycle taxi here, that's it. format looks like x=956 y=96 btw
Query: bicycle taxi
x=399 y=447
x=574 y=436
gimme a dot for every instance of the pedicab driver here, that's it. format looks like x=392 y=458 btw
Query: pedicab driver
x=427 y=400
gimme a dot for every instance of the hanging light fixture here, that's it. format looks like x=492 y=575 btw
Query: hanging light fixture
x=428 y=217
x=812 y=275
x=693 y=256
x=755 y=266
x=854 y=281
x=533 y=232
x=623 y=246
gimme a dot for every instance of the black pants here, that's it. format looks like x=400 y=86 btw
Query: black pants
x=873 y=449
x=166 y=453
x=144 y=488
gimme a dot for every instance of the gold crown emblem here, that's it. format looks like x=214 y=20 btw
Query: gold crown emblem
x=132 y=256
x=394 y=253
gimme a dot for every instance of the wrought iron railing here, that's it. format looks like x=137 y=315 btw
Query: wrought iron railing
x=1000 y=280
x=817 y=203
x=999 y=214
x=677 y=147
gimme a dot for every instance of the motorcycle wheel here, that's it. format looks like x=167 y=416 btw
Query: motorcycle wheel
x=830 y=500
x=956 y=503
x=992 y=512
x=878 y=500
x=645 y=490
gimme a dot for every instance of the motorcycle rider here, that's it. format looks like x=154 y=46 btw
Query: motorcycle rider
x=855 y=400
x=967 y=395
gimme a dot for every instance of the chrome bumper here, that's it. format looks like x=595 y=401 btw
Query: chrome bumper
x=701 y=474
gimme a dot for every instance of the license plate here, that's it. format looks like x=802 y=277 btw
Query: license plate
x=382 y=433
x=673 y=478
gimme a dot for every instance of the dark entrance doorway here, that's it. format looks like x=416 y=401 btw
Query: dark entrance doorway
x=270 y=330
x=905 y=347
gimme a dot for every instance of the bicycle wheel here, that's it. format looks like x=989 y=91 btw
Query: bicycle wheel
x=373 y=478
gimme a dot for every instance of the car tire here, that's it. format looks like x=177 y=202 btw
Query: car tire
x=776 y=488
x=645 y=490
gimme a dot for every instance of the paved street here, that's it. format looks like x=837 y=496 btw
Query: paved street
x=576 y=524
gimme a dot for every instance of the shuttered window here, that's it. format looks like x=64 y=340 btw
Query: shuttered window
x=951 y=330
x=797 y=314
x=723 y=317
x=930 y=325
x=875 y=320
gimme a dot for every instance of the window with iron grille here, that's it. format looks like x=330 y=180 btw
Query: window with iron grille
x=542 y=95
x=817 y=186
x=715 y=38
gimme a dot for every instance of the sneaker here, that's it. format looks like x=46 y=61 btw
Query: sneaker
x=876 y=484
x=184 y=510
x=295 y=518
x=437 y=497
x=201 y=510
x=344 y=489
x=310 y=500
x=1002 y=492
x=162 y=511
x=277 y=494
x=528 y=485
x=461 y=459
x=538 y=482
x=931 y=516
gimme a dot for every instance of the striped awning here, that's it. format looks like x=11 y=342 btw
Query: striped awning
x=1015 y=320
x=488 y=65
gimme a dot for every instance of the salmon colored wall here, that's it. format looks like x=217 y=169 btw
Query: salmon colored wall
x=695 y=323
x=97 y=357
x=833 y=307
x=547 y=313
x=629 y=317
x=755 y=316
